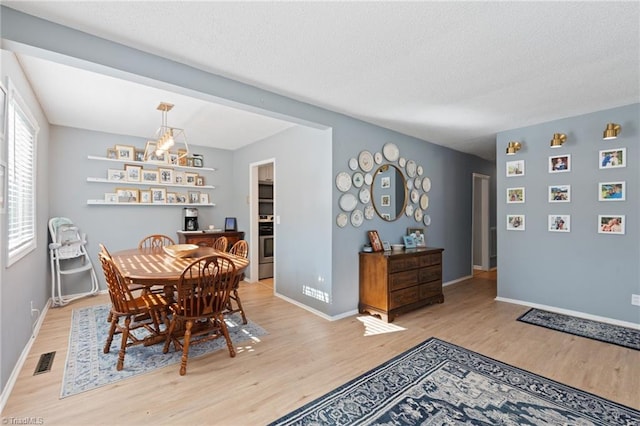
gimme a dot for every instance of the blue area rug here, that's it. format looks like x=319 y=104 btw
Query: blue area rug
x=438 y=383
x=87 y=367
x=609 y=333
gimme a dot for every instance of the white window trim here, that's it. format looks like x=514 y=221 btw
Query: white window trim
x=14 y=95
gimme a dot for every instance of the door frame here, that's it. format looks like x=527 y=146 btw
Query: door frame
x=480 y=194
x=254 y=249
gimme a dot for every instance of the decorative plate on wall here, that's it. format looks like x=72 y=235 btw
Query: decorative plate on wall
x=368 y=178
x=357 y=218
x=419 y=170
x=369 y=212
x=402 y=161
x=348 y=202
x=341 y=220
x=364 y=195
x=391 y=151
x=424 y=201
x=409 y=210
x=377 y=157
x=343 y=181
x=358 y=179
x=411 y=168
x=426 y=184
x=414 y=195
x=353 y=164
x=418 y=215
x=365 y=159
x=426 y=220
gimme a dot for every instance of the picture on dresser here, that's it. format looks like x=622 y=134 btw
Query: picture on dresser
x=418 y=236
x=374 y=239
x=612 y=158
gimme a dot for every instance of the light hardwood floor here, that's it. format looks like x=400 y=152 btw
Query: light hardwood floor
x=305 y=356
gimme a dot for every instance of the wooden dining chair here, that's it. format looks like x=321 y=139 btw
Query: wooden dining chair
x=197 y=315
x=144 y=311
x=240 y=248
x=155 y=240
x=132 y=286
x=221 y=243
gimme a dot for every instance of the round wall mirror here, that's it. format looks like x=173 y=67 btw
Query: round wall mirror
x=389 y=192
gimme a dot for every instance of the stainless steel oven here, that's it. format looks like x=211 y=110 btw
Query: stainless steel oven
x=265 y=256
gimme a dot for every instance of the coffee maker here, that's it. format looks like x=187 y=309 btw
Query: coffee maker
x=190 y=219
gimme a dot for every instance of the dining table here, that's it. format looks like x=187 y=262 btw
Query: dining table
x=154 y=267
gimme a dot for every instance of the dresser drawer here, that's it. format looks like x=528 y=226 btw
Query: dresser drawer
x=404 y=297
x=431 y=273
x=431 y=289
x=404 y=263
x=200 y=241
x=430 y=259
x=404 y=279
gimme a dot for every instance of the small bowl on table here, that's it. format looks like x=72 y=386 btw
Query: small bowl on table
x=397 y=247
x=180 y=250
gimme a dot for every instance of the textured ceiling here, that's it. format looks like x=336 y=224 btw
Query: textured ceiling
x=453 y=73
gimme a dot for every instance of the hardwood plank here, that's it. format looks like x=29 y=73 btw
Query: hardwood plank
x=305 y=356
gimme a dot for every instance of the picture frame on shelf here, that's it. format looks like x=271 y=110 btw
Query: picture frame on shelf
x=165 y=176
x=182 y=157
x=139 y=155
x=515 y=222
x=200 y=180
x=181 y=198
x=133 y=173
x=230 y=224
x=559 y=193
x=559 y=223
x=158 y=195
x=612 y=158
x=374 y=239
x=127 y=195
x=149 y=176
x=559 y=163
x=190 y=178
x=515 y=195
x=612 y=191
x=145 y=196
x=611 y=224
x=116 y=175
x=386 y=246
x=418 y=236
x=204 y=198
x=173 y=158
x=110 y=197
x=515 y=168
x=194 y=197
x=112 y=154
x=172 y=198
x=125 y=152
x=179 y=177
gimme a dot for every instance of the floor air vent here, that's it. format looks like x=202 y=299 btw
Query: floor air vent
x=45 y=363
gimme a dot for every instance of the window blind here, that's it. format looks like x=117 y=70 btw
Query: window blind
x=20 y=182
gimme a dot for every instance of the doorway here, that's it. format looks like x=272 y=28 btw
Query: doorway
x=262 y=213
x=480 y=241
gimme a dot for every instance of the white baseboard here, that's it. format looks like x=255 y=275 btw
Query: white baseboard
x=315 y=311
x=457 y=281
x=6 y=391
x=571 y=313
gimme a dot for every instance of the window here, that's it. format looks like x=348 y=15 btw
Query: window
x=21 y=177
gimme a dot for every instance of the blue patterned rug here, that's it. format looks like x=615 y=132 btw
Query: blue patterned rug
x=87 y=367
x=438 y=383
x=609 y=333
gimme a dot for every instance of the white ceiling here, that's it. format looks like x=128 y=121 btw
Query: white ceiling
x=453 y=73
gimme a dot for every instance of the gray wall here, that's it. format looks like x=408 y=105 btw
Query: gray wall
x=311 y=250
x=582 y=270
x=27 y=280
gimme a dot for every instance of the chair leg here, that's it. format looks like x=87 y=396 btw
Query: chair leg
x=237 y=299
x=167 y=342
x=185 y=347
x=123 y=345
x=225 y=332
x=112 y=331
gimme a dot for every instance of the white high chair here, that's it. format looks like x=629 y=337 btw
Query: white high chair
x=68 y=244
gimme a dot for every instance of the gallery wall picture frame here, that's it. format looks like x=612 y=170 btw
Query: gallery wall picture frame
x=116 y=175
x=515 y=168
x=172 y=198
x=190 y=178
x=559 y=223
x=194 y=197
x=127 y=195
x=374 y=239
x=150 y=176
x=134 y=173
x=145 y=196
x=385 y=200
x=612 y=158
x=612 y=191
x=200 y=180
x=125 y=152
x=559 y=193
x=515 y=195
x=158 y=195
x=560 y=163
x=611 y=224
x=204 y=198
x=110 y=197
x=515 y=222
x=165 y=175
x=112 y=154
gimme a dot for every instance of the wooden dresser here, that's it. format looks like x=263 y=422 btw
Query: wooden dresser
x=400 y=281
x=206 y=238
